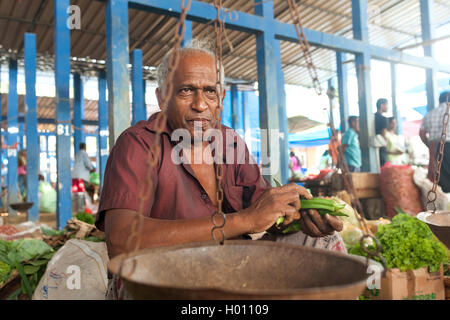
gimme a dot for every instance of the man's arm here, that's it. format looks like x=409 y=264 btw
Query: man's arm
x=259 y=217
x=423 y=136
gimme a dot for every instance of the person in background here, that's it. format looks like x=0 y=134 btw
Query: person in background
x=335 y=142
x=295 y=165
x=350 y=145
x=82 y=167
x=325 y=161
x=430 y=133
x=395 y=146
x=381 y=127
x=22 y=172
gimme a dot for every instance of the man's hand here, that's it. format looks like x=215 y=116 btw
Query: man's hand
x=274 y=203
x=314 y=225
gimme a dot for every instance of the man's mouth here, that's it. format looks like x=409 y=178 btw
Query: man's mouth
x=199 y=122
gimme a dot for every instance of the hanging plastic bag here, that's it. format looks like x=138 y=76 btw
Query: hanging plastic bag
x=95 y=178
x=47 y=197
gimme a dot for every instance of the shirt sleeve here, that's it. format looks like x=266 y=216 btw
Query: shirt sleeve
x=345 y=137
x=125 y=175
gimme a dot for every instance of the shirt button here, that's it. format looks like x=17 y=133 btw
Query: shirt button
x=204 y=196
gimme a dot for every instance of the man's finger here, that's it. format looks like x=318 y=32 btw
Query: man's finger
x=313 y=230
x=321 y=224
x=334 y=222
x=291 y=216
x=293 y=186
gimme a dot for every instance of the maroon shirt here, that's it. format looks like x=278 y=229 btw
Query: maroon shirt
x=178 y=194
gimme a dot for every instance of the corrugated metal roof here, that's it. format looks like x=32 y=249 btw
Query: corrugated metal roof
x=393 y=23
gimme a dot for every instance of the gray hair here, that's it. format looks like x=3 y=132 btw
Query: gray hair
x=204 y=46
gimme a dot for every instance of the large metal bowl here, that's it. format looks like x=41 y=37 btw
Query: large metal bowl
x=21 y=206
x=439 y=224
x=241 y=269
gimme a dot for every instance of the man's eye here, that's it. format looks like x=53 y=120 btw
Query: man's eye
x=186 y=90
x=211 y=90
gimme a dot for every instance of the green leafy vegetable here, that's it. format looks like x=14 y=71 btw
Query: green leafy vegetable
x=29 y=257
x=408 y=244
x=51 y=232
x=5 y=271
x=85 y=217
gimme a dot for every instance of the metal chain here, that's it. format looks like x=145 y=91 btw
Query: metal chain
x=219 y=27
x=342 y=163
x=134 y=240
x=432 y=195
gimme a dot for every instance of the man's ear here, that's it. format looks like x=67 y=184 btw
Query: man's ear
x=158 y=97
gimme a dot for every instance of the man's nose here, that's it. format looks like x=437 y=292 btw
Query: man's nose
x=199 y=103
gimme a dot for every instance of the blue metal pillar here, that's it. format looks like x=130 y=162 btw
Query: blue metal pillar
x=21 y=135
x=395 y=111
x=187 y=33
x=102 y=125
x=144 y=92
x=138 y=106
x=33 y=155
x=78 y=112
x=268 y=94
x=117 y=59
x=63 y=121
x=13 y=130
x=282 y=117
x=370 y=159
x=235 y=123
x=342 y=77
x=426 y=18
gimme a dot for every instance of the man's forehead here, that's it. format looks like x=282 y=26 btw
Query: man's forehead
x=196 y=62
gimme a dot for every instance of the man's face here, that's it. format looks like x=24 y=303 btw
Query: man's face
x=194 y=97
x=392 y=125
x=384 y=107
x=356 y=125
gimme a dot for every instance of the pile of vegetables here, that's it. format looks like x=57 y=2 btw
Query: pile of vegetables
x=29 y=257
x=408 y=244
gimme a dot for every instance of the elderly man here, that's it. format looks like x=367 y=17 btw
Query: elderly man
x=184 y=196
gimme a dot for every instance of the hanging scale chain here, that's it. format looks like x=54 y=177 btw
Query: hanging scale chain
x=219 y=28
x=146 y=189
x=432 y=195
x=342 y=163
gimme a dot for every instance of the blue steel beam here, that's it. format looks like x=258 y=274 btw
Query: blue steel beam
x=33 y=154
x=342 y=77
x=78 y=112
x=63 y=121
x=282 y=117
x=187 y=33
x=267 y=55
x=370 y=161
x=395 y=110
x=204 y=12
x=138 y=106
x=117 y=59
x=13 y=130
x=144 y=93
x=102 y=125
x=426 y=18
x=21 y=135
x=22 y=119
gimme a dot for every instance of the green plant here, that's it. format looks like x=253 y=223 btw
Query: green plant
x=85 y=217
x=408 y=244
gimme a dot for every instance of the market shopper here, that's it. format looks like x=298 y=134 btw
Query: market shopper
x=180 y=206
x=295 y=165
x=350 y=145
x=82 y=166
x=430 y=133
x=381 y=127
x=395 y=146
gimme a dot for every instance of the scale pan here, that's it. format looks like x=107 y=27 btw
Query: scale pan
x=241 y=269
x=439 y=224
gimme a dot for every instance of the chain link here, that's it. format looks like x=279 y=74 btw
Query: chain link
x=432 y=195
x=134 y=240
x=342 y=163
x=219 y=28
